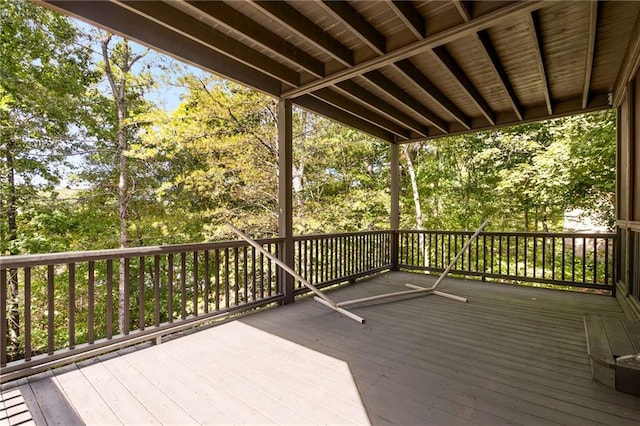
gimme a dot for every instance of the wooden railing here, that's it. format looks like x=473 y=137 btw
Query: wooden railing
x=561 y=259
x=329 y=259
x=62 y=306
x=57 y=308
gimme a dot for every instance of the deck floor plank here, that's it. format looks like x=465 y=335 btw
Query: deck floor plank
x=512 y=355
x=83 y=397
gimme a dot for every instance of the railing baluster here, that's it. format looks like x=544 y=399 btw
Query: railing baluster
x=141 y=294
x=196 y=283
x=544 y=251
x=595 y=261
x=269 y=263
x=299 y=260
x=517 y=252
x=183 y=285
x=553 y=258
x=50 y=309
x=170 y=287
x=500 y=255
x=245 y=270
x=584 y=259
x=109 y=301
x=573 y=259
x=127 y=293
x=253 y=273
x=27 y=314
x=91 y=314
x=236 y=278
x=262 y=274
x=156 y=290
x=478 y=251
x=216 y=278
x=526 y=257
x=3 y=317
x=563 y=261
x=508 y=255
x=534 y=255
x=207 y=281
x=226 y=277
x=606 y=261
x=71 y=268
x=491 y=256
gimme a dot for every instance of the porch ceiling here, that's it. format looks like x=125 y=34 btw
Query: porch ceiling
x=397 y=70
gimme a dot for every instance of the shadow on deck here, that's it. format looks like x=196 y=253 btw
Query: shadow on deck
x=510 y=355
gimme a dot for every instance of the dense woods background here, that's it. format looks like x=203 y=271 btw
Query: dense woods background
x=92 y=158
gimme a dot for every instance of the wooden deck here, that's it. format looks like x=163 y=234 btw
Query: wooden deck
x=512 y=355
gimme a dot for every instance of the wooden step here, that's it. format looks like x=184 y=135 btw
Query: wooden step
x=609 y=338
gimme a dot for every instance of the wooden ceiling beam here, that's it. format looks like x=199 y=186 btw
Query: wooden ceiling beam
x=233 y=20
x=367 y=32
x=410 y=17
x=284 y=12
x=389 y=87
x=443 y=37
x=465 y=9
x=289 y=17
x=493 y=59
x=121 y=21
x=415 y=75
x=564 y=108
x=199 y=32
x=352 y=89
x=591 y=50
x=534 y=26
x=360 y=26
x=445 y=59
x=357 y=109
x=318 y=106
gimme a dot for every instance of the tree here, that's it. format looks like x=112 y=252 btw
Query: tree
x=522 y=177
x=126 y=90
x=215 y=161
x=44 y=73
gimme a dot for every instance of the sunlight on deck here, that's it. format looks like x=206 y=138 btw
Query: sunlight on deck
x=232 y=373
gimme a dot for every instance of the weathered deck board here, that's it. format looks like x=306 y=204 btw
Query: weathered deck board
x=512 y=355
x=483 y=355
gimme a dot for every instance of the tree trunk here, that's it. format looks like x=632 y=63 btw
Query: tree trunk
x=12 y=234
x=118 y=90
x=410 y=158
x=545 y=223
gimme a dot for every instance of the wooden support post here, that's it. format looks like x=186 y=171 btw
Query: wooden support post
x=285 y=195
x=394 y=160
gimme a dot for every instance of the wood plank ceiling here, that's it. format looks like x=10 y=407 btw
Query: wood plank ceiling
x=398 y=70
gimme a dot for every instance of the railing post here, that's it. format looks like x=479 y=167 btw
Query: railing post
x=285 y=196
x=395 y=250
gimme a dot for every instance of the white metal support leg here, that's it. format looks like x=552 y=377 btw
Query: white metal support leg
x=319 y=296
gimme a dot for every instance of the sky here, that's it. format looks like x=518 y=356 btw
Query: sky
x=165 y=96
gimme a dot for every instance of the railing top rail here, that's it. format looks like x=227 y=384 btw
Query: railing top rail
x=7 y=262
x=26 y=260
x=516 y=233
x=339 y=234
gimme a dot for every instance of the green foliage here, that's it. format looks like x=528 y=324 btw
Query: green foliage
x=523 y=177
x=43 y=78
